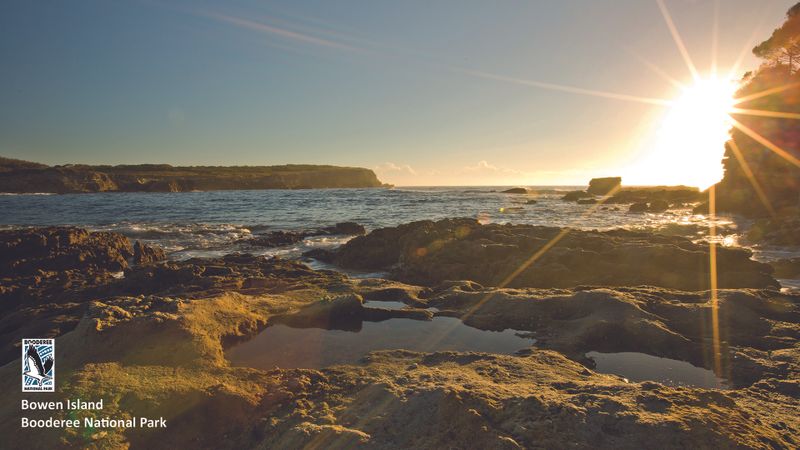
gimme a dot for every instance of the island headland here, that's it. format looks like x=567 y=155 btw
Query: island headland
x=17 y=176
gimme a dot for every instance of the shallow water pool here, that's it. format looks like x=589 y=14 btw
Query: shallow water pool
x=286 y=347
x=385 y=304
x=643 y=367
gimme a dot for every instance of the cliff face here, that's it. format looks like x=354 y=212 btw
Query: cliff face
x=24 y=177
x=760 y=181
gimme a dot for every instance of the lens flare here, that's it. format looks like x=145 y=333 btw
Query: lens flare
x=689 y=144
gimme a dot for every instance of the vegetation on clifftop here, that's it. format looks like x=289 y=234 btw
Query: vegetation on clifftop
x=762 y=164
x=19 y=176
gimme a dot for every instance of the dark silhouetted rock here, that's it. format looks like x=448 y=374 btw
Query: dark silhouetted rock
x=573 y=196
x=282 y=238
x=276 y=239
x=320 y=254
x=702 y=208
x=776 y=231
x=658 y=206
x=777 y=175
x=638 y=208
x=786 y=268
x=587 y=201
x=346 y=228
x=602 y=186
x=145 y=254
x=668 y=194
x=517 y=190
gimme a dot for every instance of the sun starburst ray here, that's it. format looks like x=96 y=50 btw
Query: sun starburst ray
x=565 y=88
x=765 y=93
x=766 y=142
x=712 y=253
x=765 y=113
x=715 y=39
x=658 y=71
x=525 y=265
x=737 y=153
x=678 y=40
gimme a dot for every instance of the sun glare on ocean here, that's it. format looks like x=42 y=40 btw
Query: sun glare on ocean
x=691 y=138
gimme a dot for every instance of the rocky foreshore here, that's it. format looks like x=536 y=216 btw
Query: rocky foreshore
x=152 y=341
x=428 y=252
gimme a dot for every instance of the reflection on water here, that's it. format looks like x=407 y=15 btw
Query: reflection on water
x=789 y=285
x=313 y=348
x=385 y=304
x=642 y=367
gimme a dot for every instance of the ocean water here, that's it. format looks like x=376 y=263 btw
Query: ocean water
x=215 y=223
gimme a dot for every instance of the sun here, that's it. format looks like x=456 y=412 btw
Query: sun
x=690 y=139
x=703 y=107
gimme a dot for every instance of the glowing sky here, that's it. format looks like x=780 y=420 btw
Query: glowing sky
x=453 y=92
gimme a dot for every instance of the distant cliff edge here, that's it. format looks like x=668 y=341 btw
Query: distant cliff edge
x=17 y=176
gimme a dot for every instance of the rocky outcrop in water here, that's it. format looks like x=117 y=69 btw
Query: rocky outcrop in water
x=669 y=196
x=281 y=238
x=517 y=190
x=23 y=177
x=602 y=186
x=429 y=252
x=574 y=196
x=655 y=198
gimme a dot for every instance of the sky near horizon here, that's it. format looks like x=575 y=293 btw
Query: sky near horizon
x=449 y=92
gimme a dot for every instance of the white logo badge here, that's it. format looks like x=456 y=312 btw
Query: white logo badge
x=38 y=365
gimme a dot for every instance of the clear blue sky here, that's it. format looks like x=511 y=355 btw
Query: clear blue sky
x=390 y=85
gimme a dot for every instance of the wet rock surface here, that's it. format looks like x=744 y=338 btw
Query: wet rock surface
x=756 y=325
x=52 y=264
x=48 y=274
x=429 y=252
x=152 y=344
x=281 y=238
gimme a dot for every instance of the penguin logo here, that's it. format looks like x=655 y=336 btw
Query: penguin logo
x=38 y=365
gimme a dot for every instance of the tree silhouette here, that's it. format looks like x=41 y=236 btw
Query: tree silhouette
x=783 y=47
